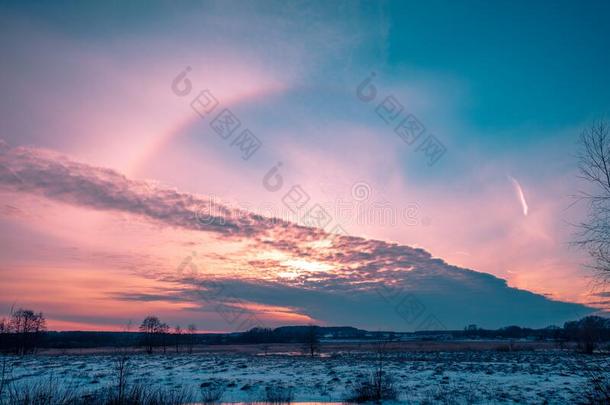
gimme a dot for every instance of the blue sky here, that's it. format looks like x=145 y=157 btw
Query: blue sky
x=525 y=63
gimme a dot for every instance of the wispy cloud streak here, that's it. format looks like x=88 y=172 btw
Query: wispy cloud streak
x=520 y=195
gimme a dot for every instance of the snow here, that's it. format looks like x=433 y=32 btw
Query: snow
x=461 y=376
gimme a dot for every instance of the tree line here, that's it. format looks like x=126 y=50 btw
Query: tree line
x=154 y=333
x=22 y=331
x=25 y=331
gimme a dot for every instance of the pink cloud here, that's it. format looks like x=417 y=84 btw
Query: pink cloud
x=329 y=264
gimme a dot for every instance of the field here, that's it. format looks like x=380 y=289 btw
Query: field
x=466 y=373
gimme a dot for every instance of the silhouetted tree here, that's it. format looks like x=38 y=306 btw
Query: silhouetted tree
x=311 y=340
x=4 y=331
x=151 y=328
x=594 y=167
x=192 y=330
x=163 y=335
x=178 y=337
x=256 y=335
x=588 y=332
x=27 y=328
x=4 y=364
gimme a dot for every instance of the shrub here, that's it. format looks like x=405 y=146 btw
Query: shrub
x=142 y=395
x=451 y=394
x=47 y=392
x=597 y=390
x=378 y=387
x=211 y=394
x=279 y=394
x=52 y=392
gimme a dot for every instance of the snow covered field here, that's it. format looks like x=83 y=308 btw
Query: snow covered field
x=550 y=376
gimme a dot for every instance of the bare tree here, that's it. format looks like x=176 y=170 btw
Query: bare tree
x=4 y=331
x=122 y=368
x=594 y=168
x=191 y=329
x=588 y=332
x=178 y=337
x=312 y=343
x=378 y=374
x=379 y=386
x=151 y=328
x=163 y=334
x=4 y=366
x=27 y=327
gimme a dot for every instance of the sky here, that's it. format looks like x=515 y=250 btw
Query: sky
x=385 y=165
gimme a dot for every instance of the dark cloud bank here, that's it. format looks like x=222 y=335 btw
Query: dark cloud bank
x=374 y=284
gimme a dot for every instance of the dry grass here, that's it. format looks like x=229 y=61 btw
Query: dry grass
x=278 y=394
x=332 y=347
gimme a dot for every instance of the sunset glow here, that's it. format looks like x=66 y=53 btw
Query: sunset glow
x=125 y=191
